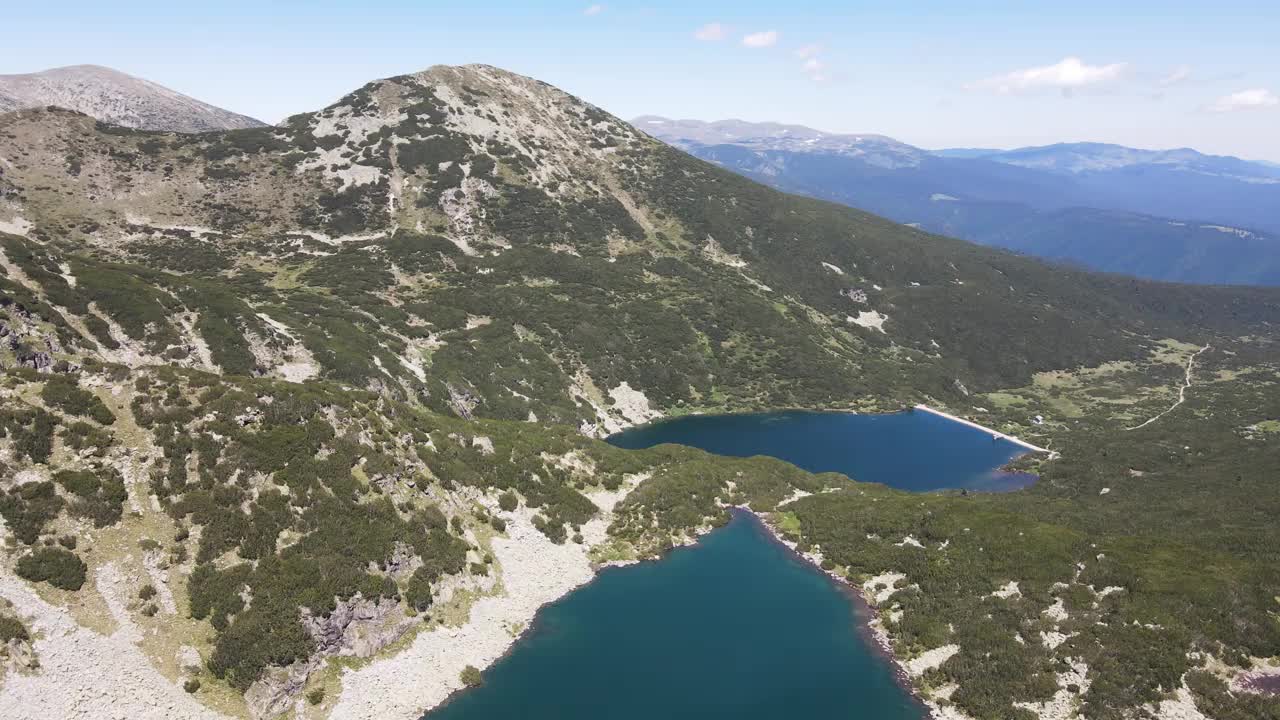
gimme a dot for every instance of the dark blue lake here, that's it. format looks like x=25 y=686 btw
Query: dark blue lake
x=916 y=451
x=734 y=627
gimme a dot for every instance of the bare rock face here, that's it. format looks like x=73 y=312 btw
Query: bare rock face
x=356 y=627
x=18 y=656
x=36 y=360
x=403 y=561
x=279 y=687
x=16 y=339
x=114 y=97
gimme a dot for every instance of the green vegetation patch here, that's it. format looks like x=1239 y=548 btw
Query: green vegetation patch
x=64 y=393
x=54 y=565
x=11 y=628
x=28 y=508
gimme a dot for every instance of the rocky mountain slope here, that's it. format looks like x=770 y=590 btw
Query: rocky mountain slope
x=117 y=98
x=302 y=419
x=1169 y=215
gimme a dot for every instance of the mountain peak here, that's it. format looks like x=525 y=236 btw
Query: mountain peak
x=437 y=150
x=453 y=122
x=117 y=98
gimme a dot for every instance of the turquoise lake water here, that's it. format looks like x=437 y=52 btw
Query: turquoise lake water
x=916 y=451
x=736 y=626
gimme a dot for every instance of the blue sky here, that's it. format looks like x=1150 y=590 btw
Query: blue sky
x=990 y=73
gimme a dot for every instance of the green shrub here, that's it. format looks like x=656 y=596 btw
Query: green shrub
x=508 y=501
x=58 y=567
x=315 y=696
x=81 y=435
x=100 y=495
x=64 y=393
x=258 y=638
x=471 y=677
x=11 y=628
x=32 y=432
x=28 y=508
x=418 y=592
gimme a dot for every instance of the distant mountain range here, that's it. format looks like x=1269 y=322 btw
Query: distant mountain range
x=117 y=98
x=1175 y=215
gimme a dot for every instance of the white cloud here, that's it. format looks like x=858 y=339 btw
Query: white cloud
x=1255 y=99
x=1069 y=74
x=768 y=38
x=710 y=32
x=807 y=51
x=815 y=69
x=1180 y=74
x=593 y=10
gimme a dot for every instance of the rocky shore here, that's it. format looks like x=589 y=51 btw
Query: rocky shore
x=533 y=572
x=871 y=597
x=72 y=682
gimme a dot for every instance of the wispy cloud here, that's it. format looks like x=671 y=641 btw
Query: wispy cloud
x=1178 y=75
x=805 y=52
x=768 y=38
x=815 y=69
x=1255 y=99
x=593 y=10
x=711 y=32
x=1068 y=75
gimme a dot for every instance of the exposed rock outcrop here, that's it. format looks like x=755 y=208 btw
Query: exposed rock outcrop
x=356 y=627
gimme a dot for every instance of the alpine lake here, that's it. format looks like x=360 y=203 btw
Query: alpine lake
x=736 y=625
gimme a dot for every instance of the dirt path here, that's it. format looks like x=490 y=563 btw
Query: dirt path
x=1182 y=391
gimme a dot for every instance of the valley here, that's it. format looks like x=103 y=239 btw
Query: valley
x=307 y=420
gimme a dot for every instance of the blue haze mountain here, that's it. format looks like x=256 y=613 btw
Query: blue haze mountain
x=1174 y=215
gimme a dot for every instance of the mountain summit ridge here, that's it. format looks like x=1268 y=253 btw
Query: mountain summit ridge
x=874 y=149
x=1087 y=155
x=118 y=98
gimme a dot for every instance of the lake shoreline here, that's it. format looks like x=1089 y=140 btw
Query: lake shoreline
x=969 y=457
x=866 y=615
x=905 y=410
x=537 y=624
x=868 y=619
x=984 y=428
x=423 y=677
